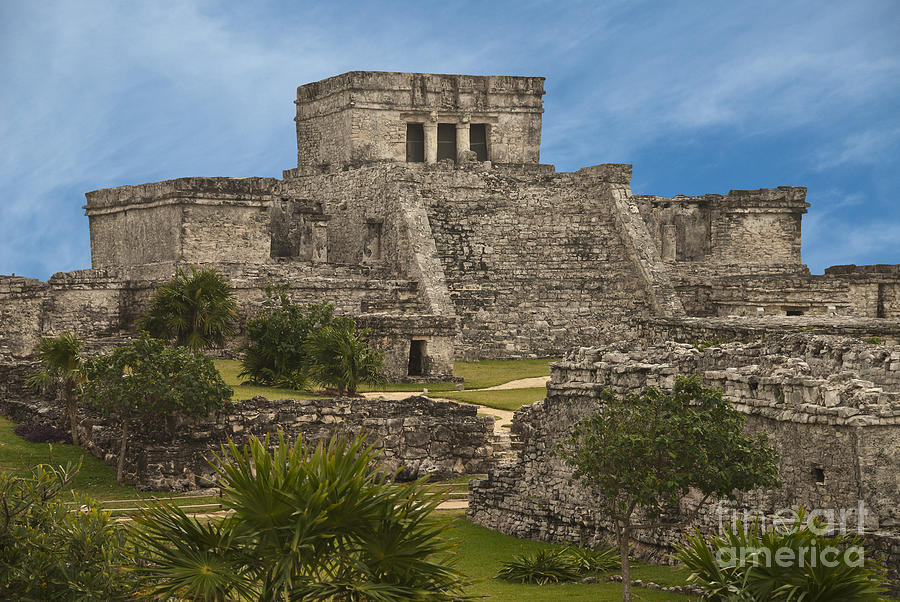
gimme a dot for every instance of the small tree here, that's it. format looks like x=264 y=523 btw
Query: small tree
x=342 y=358
x=62 y=370
x=641 y=453
x=195 y=310
x=151 y=382
x=50 y=552
x=276 y=353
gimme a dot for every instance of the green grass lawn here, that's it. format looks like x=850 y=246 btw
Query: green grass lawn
x=504 y=399
x=480 y=552
x=95 y=479
x=229 y=369
x=477 y=375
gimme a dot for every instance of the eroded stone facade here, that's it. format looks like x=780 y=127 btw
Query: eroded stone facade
x=830 y=405
x=419 y=206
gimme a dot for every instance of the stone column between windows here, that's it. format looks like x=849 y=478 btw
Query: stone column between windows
x=462 y=139
x=430 y=128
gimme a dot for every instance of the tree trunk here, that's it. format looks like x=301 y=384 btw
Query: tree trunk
x=72 y=410
x=120 y=464
x=622 y=534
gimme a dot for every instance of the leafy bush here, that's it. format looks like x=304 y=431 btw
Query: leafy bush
x=342 y=358
x=49 y=551
x=195 y=310
x=875 y=340
x=587 y=560
x=275 y=353
x=541 y=567
x=742 y=564
x=306 y=524
x=154 y=384
x=42 y=433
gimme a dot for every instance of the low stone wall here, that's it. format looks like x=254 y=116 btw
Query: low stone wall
x=837 y=435
x=418 y=436
x=654 y=330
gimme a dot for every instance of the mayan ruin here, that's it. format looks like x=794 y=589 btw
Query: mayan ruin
x=420 y=207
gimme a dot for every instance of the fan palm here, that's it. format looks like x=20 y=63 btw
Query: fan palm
x=305 y=524
x=194 y=309
x=342 y=358
x=61 y=369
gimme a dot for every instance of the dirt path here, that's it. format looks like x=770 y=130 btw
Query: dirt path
x=503 y=417
x=522 y=383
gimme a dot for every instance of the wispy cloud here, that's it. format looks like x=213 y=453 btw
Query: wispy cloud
x=101 y=93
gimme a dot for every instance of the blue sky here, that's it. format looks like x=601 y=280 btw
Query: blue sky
x=700 y=96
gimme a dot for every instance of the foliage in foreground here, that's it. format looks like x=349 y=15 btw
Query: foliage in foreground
x=61 y=370
x=194 y=310
x=48 y=551
x=742 y=564
x=641 y=453
x=150 y=382
x=557 y=565
x=307 y=524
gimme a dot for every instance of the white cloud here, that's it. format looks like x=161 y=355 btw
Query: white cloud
x=866 y=147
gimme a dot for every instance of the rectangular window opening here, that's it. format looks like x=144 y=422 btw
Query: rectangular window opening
x=417 y=354
x=478 y=140
x=446 y=141
x=818 y=474
x=415 y=143
x=795 y=312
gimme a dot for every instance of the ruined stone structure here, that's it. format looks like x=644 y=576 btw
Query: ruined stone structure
x=830 y=405
x=416 y=436
x=419 y=205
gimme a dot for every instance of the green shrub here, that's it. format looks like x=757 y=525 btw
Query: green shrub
x=587 y=560
x=275 y=353
x=306 y=524
x=742 y=564
x=195 y=310
x=541 y=567
x=51 y=551
x=341 y=357
x=875 y=340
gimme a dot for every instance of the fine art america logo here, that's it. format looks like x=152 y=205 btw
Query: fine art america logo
x=823 y=528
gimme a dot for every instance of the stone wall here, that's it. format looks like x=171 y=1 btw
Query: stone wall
x=418 y=436
x=830 y=406
x=697 y=330
x=187 y=219
x=360 y=117
x=745 y=227
x=533 y=259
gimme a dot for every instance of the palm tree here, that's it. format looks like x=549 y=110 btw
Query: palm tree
x=305 y=524
x=61 y=369
x=194 y=309
x=342 y=358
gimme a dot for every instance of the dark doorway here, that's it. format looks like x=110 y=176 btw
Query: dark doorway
x=417 y=354
x=818 y=474
x=415 y=143
x=478 y=140
x=446 y=135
